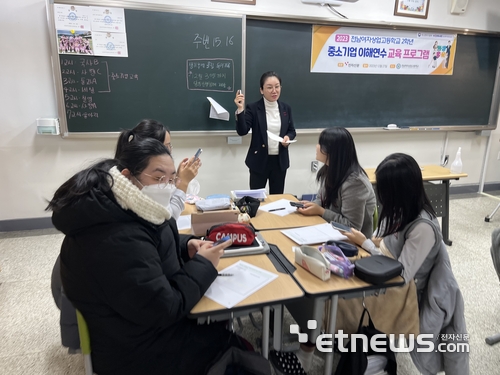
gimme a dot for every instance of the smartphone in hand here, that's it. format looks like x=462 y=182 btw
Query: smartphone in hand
x=222 y=240
x=296 y=204
x=198 y=153
x=340 y=227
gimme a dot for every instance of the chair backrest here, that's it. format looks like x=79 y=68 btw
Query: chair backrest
x=83 y=331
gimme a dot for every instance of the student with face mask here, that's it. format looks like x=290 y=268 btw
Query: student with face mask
x=172 y=197
x=126 y=268
x=186 y=171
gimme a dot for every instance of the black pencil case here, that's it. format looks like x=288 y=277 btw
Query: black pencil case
x=348 y=249
x=377 y=269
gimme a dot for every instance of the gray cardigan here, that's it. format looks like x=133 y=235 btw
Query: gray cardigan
x=355 y=204
x=441 y=305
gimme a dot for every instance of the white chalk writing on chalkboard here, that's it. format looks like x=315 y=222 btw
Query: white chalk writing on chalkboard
x=212 y=42
x=84 y=80
x=210 y=74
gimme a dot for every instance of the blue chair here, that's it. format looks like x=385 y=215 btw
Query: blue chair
x=83 y=330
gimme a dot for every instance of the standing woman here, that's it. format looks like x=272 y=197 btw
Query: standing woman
x=267 y=159
x=346 y=195
x=409 y=232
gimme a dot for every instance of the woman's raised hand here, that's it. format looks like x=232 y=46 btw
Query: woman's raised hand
x=187 y=170
x=239 y=100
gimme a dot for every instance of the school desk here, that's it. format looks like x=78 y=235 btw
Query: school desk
x=320 y=291
x=267 y=220
x=439 y=194
x=280 y=290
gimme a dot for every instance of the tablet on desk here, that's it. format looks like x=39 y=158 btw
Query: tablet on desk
x=259 y=246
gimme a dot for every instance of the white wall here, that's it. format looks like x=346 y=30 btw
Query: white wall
x=32 y=167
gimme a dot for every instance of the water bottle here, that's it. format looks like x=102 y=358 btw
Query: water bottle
x=456 y=167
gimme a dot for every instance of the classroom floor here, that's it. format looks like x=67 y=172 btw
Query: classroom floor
x=29 y=328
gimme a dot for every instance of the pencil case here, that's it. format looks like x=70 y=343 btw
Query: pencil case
x=348 y=249
x=339 y=264
x=377 y=269
x=313 y=260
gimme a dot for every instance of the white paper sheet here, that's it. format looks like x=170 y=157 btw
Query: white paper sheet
x=217 y=111
x=314 y=234
x=246 y=280
x=278 y=138
x=110 y=44
x=280 y=208
x=71 y=17
x=108 y=19
x=184 y=222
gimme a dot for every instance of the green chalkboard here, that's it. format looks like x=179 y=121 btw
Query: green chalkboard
x=321 y=100
x=174 y=62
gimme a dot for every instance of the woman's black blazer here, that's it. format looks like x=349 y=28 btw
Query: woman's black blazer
x=254 y=117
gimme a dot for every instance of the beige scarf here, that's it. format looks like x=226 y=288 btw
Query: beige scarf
x=129 y=197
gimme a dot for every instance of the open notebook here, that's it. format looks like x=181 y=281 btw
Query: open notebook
x=259 y=246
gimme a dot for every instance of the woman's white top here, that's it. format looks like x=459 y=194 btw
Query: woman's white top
x=273 y=125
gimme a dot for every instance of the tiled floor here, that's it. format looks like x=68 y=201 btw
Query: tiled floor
x=29 y=328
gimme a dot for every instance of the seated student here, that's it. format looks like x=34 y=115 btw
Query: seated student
x=186 y=171
x=127 y=269
x=346 y=195
x=410 y=232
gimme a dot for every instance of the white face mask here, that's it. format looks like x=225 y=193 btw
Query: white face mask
x=161 y=196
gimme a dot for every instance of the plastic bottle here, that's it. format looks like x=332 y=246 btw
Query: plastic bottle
x=456 y=167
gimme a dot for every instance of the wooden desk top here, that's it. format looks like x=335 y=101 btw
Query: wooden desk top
x=265 y=220
x=268 y=221
x=429 y=173
x=313 y=285
x=283 y=288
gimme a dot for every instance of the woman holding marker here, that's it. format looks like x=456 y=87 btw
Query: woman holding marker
x=346 y=195
x=268 y=118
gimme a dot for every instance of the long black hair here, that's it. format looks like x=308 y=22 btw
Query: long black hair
x=338 y=145
x=135 y=157
x=401 y=193
x=145 y=129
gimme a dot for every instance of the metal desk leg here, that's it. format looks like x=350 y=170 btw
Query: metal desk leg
x=277 y=327
x=446 y=217
x=265 y=331
x=333 y=320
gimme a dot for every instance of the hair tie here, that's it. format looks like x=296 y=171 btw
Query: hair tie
x=130 y=137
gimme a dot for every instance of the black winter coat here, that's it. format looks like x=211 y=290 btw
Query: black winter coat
x=135 y=284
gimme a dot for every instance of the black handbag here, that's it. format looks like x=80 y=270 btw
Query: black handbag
x=356 y=363
x=377 y=269
x=248 y=205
